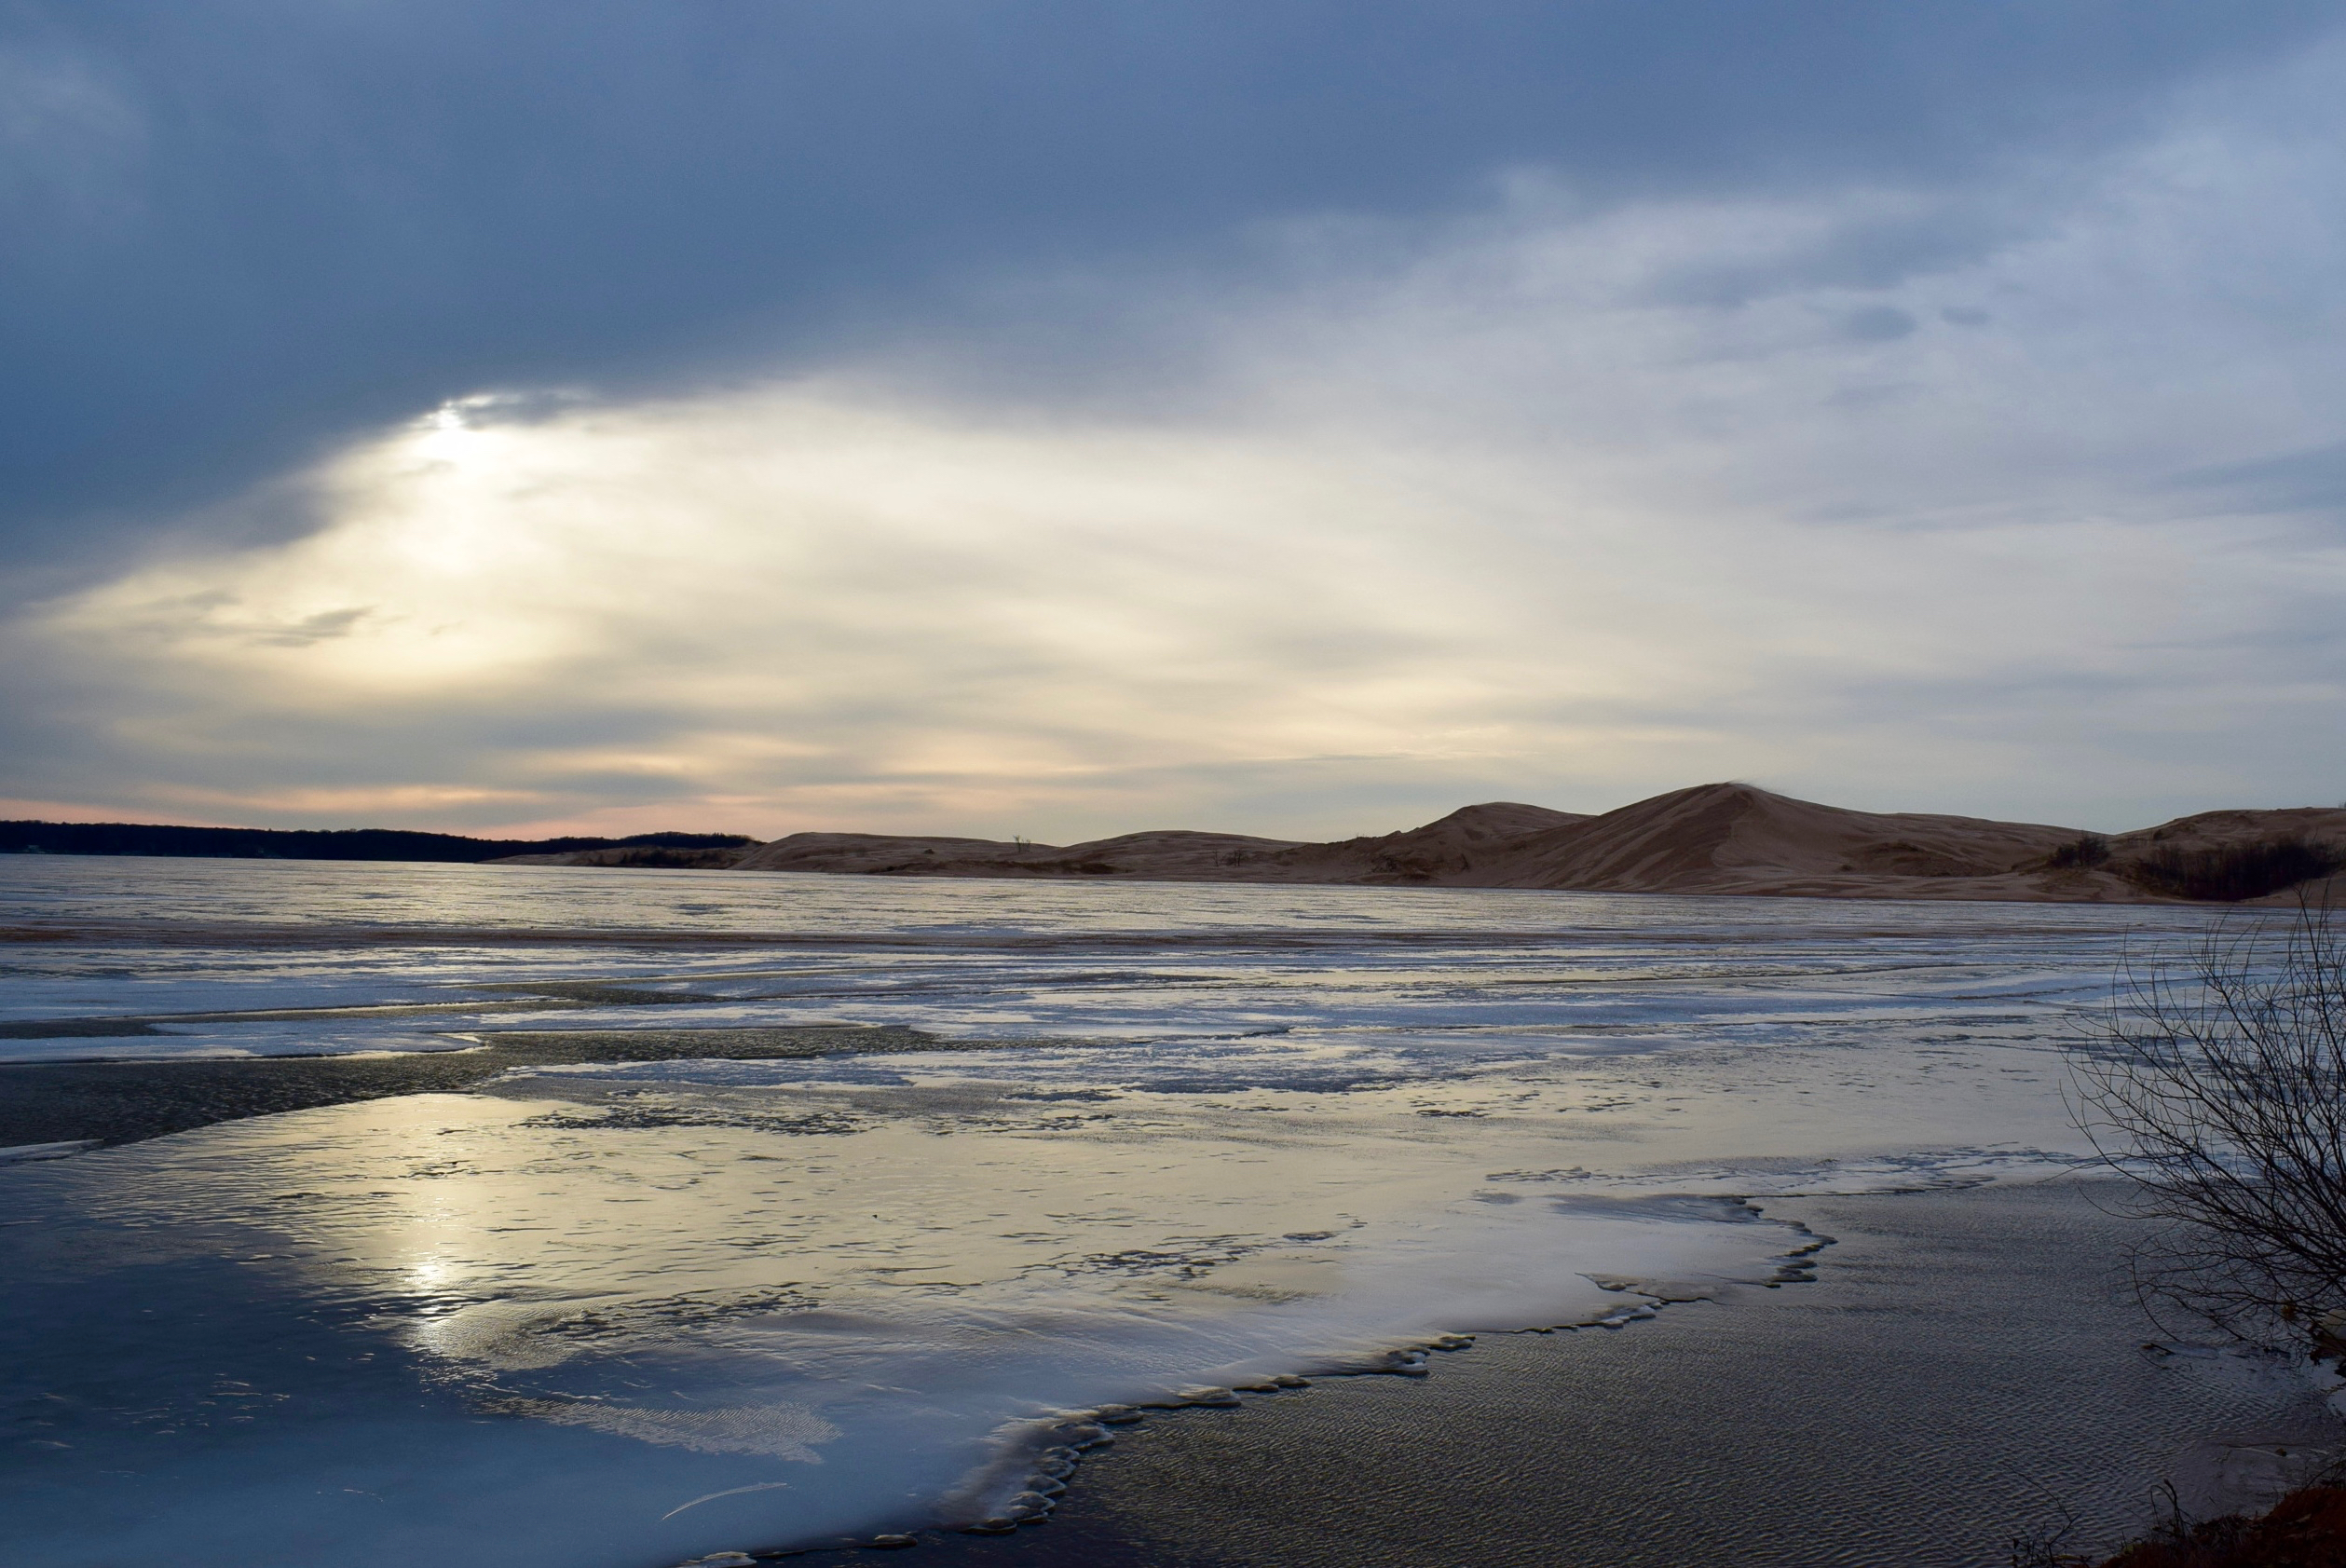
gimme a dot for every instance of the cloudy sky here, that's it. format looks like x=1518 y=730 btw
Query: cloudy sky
x=1057 y=418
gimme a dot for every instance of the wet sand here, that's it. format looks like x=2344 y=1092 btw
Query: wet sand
x=1968 y=1364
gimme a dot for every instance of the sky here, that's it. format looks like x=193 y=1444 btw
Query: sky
x=1057 y=419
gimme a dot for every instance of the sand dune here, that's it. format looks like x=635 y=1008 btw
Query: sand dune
x=1171 y=854
x=1730 y=839
x=1462 y=849
x=1439 y=851
x=1735 y=838
x=647 y=857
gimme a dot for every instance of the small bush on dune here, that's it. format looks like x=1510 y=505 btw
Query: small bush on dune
x=2087 y=852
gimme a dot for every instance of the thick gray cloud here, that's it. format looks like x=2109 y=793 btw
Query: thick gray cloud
x=233 y=233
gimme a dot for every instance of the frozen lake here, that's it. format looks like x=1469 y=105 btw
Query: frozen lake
x=597 y=1314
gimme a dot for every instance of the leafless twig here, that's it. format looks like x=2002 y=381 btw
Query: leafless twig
x=2218 y=1085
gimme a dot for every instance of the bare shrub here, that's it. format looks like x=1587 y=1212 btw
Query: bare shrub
x=2218 y=1085
x=2085 y=852
x=2049 y=1544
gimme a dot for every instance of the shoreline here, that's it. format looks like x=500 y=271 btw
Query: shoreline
x=1878 y=1416
x=1962 y=1362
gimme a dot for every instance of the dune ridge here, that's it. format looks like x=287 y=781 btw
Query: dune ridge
x=1718 y=838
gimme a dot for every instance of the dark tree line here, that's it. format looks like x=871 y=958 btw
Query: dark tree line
x=2223 y=874
x=358 y=843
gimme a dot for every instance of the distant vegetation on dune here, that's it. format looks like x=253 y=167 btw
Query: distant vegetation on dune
x=2231 y=872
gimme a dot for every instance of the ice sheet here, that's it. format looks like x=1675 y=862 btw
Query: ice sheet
x=624 y=1314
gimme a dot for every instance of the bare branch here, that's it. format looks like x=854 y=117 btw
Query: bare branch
x=2218 y=1087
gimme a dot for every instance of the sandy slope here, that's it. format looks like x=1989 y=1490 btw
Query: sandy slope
x=1711 y=839
x=1441 y=851
x=1171 y=854
x=652 y=856
x=1734 y=839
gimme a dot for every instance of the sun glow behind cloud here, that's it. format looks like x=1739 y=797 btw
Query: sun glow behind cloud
x=1550 y=503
